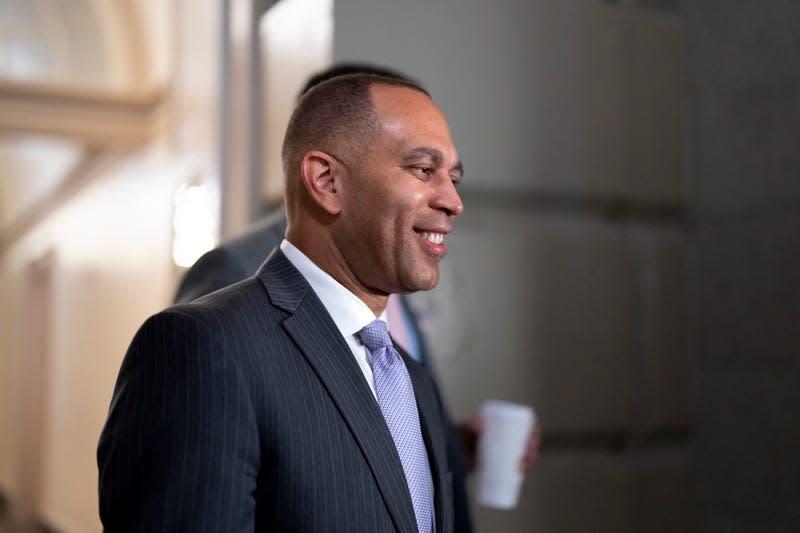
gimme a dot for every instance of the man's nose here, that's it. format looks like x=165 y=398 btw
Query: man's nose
x=447 y=197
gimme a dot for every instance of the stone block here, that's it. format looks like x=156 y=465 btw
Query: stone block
x=664 y=384
x=747 y=441
x=571 y=491
x=746 y=82
x=664 y=496
x=748 y=292
x=657 y=110
x=568 y=492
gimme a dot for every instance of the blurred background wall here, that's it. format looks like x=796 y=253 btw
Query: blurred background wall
x=627 y=263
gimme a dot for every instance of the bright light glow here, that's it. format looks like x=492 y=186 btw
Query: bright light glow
x=193 y=223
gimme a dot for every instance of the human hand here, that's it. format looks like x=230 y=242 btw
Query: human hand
x=531 y=454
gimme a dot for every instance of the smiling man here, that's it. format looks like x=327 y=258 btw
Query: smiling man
x=280 y=403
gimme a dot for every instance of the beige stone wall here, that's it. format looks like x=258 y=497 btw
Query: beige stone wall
x=111 y=267
x=108 y=241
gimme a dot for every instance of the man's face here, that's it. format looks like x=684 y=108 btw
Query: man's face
x=399 y=199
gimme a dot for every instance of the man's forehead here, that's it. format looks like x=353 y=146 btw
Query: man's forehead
x=393 y=99
x=402 y=110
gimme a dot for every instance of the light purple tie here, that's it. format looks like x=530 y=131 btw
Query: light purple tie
x=399 y=407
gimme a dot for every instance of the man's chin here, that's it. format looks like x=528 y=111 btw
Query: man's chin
x=424 y=283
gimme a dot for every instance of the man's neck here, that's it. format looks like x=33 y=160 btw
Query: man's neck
x=329 y=260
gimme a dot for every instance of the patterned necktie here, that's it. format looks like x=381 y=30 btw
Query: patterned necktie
x=399 y=407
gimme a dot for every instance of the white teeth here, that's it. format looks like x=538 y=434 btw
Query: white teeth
x=435 y=238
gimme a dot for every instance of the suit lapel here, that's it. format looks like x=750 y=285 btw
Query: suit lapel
x=315 y=333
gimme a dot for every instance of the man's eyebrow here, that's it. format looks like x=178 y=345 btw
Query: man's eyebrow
x=435 y=155
x=416 y=153
x=459 y=168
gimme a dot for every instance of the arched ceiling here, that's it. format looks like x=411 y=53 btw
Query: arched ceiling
x=76 y=76
x=122 y=45
x=91 y=70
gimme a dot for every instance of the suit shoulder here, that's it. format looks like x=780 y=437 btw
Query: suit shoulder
x=240 y=302
x=207 y=331
x=171 y=331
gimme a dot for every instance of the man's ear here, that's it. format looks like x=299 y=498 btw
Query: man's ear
x=320 y=174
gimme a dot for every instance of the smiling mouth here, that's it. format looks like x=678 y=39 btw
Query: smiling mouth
x=433 y=237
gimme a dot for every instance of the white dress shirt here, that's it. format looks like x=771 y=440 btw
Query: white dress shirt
x=349 y=313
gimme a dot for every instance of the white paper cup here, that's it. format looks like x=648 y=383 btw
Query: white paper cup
x=506 y=428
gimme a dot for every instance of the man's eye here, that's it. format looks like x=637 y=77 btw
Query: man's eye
x=422 y=170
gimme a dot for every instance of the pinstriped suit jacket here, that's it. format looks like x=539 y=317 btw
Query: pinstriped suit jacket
x=245 y=411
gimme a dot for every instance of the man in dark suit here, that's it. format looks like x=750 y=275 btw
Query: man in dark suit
x=240 y=257
x=278 y=403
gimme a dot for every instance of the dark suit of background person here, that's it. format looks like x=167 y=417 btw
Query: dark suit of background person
x=246 y=409
x=239 y=258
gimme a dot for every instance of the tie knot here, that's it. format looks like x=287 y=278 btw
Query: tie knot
x=375 y=335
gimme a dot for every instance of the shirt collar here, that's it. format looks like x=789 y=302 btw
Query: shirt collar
x=349 y=313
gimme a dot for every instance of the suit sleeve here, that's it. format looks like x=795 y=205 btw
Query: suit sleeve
x=214 y=270
x=179 y=451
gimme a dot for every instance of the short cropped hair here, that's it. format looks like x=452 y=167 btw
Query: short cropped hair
x=343 y=69
x=336 y=116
